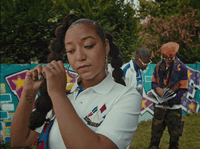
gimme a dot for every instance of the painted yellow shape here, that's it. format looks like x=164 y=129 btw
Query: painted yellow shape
x=189 y=74
x=192 y=107
x=143 y=104
x=68 y=78
x=19 y=82
x=6 y=121
x=3 y=88
x=4 y=130
x=69 y=87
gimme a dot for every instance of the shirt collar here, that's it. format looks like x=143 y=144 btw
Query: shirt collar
x=135 y=66
x=103 y=87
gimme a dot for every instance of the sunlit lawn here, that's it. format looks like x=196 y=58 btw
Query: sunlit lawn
x=189 y=140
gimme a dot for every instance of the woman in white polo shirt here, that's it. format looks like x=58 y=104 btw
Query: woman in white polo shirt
x=97 y=113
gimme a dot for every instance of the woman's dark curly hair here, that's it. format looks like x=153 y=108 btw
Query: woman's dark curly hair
x=43 y=104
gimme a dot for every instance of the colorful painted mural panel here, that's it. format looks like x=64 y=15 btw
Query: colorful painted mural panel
x=12 y=82
x=190 y=102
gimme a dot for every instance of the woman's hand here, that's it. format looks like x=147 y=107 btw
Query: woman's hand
x=159 y=91
x=56 y=78
x=33 y=80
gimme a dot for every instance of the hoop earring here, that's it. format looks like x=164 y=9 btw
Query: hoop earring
x=69 y=73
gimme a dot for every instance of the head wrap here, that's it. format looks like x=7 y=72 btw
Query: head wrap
x=170 y=49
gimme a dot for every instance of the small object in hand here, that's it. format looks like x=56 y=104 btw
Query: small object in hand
x=52 y=67
x=40 y=77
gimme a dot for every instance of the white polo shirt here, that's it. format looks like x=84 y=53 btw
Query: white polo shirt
x=108 y=108
x=133 y=76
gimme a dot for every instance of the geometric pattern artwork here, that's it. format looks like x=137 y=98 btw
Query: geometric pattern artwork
x=16 y=82
x=6 y=131
x=189 y=103
x=12 y=82
x=12 y=88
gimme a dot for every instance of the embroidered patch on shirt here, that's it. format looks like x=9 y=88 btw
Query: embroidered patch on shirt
x=95 y=114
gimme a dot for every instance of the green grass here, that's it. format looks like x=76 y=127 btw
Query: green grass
x=189 y=140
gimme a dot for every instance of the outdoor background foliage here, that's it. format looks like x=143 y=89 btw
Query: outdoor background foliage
x=27 y=27
x=172 y=20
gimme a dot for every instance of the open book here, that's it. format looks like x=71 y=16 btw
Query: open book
x=167 y=94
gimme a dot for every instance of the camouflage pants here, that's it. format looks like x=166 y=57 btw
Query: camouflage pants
x=172 y=118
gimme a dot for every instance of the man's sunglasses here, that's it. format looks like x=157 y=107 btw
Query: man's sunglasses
x=145 y=64
x=168 y=58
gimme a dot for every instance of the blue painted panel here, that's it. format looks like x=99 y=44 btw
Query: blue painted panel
x=7 y=124
x=5 y=98
x=7 y=130
x=4 y=115
x=7 y=139
x=1 y=127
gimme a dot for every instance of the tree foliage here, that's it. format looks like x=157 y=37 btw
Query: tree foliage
x=113 y=15
x=27 y=27
x=167 y=8
x=165 y=23
x=25 y=31
x=180 y=29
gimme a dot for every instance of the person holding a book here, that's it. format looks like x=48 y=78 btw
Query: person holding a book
x=170 y=73
x=133 y=69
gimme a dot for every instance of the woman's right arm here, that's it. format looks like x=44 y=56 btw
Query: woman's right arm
x=21 y=135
